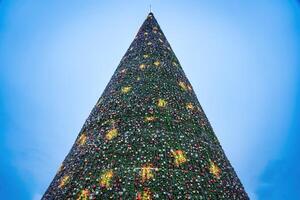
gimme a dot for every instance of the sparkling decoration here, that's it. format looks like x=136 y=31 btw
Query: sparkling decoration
x=142 y=66
x=111 y=134
x=126 y=89
x=161 y=103
x=147 y=136
x=150 y=118
x=190 y=106
x=84 y=195
x=179 y=157
x=156 y=63
x=182 y=85
x=144 y=195
x=214 y=169
x=147 y=172
x=105 y=179
x=82 y=139
x=65 y=179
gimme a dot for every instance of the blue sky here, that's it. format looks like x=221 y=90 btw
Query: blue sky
x=242 y=58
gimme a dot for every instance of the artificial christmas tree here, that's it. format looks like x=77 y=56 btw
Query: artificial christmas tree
x=147 y=137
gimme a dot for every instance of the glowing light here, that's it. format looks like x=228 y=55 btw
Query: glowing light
x=156 y=63
x=147 y=172
x=179 y=157
x=105 y=179
x=82 y=139
x=182 y=85
x=84 y=195
x=214 y=169
x=126 y=89
x=161 y=103
x=65 y=179
x=145 y=195
x=111 y=134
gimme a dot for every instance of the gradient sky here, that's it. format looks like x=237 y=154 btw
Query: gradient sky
x=242 y=58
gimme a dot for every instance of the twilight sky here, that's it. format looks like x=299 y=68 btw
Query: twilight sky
x=242 y=58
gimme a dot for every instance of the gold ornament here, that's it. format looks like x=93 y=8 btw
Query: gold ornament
x=161 y=103
x=111 y=134
x=156 y=63
x=142 y=66
x=214 y=169
x=105 y=178
x=64 y=180
x=179 y=157
x=189 y=106
x=145 y=195
x=84 y=195
x=146 y=172
x=82 y=139
x=149 y=118
x=126 y=89
x=182 y=85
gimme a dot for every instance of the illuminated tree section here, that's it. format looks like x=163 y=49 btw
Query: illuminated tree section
x=147 y=137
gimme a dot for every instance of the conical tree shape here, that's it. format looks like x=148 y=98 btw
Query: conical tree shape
x=147 y=137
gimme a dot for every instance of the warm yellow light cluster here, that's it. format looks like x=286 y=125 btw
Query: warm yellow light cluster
x=126 y=89
x=175 y=64
x=190 y=106
x=105 y=178
x=145 y=55
x=182 y=85
x=149 y=118
x=142 y=66
x=214 y=169
x=147 y=172
x=82 y=139
x=156 y=63
x=145 y=195
x=179 y=157
x=111 y=134
x=161 y=103
x=64 y=180
x=84 y=195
